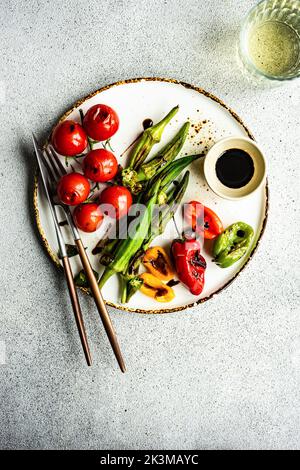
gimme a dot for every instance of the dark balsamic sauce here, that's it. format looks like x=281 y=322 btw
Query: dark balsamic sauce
x=147 y=123
x=172 y=283
x=235 y=168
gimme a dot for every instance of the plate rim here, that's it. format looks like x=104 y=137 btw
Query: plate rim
x=53 y=255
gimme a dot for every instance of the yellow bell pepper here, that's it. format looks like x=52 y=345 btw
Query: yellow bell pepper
x=158 y=263
x=155 y=288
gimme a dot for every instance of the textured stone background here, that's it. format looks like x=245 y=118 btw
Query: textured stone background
x=225 y=375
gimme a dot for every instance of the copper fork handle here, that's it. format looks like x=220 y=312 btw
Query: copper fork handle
x=77 y=309
x=107 y=323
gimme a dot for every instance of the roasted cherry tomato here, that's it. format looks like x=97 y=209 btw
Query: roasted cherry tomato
x=100 y=165
x=101 y=122
x=73 y=189
x=88 y=217
x=202 y=220
x=69 y=138
x=119 y=198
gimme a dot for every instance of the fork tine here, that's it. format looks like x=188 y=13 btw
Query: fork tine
x=55 y=170
x=48 y=167
x=58 y=161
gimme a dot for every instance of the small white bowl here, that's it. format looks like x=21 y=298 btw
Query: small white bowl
x=241 y=143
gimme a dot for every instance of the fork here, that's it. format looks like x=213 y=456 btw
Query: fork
x=64 y=258
x=56 y=170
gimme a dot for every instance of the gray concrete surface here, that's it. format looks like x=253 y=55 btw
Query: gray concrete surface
x=225 y=375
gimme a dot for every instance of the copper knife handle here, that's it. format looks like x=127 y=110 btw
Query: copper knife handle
x=104 y=315
x=76 y=309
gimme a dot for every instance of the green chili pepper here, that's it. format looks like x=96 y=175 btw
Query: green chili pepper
x=174 y=198
x=71 y=250
x=166 y=155
x=131 y=282
x=173 y=170
x=81 y=280
x=151 y=136
x=106 y=255
x=128 y=247
x=232 y=244
x=132 y=286
x=169 y=174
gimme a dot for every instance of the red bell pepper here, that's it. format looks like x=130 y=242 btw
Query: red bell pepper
x=190 y=264
x=202 y=220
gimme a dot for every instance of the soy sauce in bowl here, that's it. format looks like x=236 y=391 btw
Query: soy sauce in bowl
x=235 y=168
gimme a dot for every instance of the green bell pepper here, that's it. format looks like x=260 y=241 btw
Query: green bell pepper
x=232 y=244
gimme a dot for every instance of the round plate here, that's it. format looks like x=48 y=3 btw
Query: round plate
x=138 y=99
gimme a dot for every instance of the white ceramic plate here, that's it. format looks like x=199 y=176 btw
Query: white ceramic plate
x=137 y=99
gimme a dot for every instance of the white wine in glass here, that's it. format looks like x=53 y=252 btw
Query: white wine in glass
x=270 y=40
